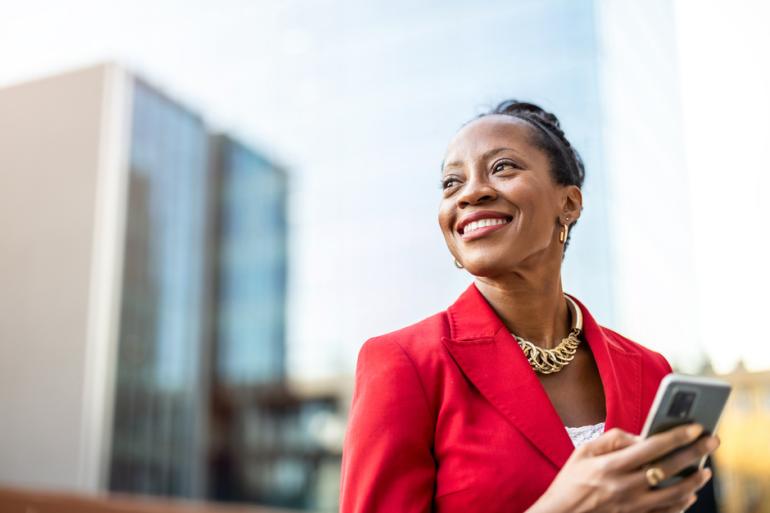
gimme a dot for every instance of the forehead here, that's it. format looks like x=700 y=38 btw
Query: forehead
x=490 y=132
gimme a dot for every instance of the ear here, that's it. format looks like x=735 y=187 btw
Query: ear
x=571 y=203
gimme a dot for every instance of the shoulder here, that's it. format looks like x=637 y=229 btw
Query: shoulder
x=416 y=340
x=402 y=363
x=650 y=358
x=409 y=356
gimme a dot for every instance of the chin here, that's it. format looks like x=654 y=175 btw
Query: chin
x=481 y=272
x=484 y=267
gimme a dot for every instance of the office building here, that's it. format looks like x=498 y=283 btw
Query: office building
x=149 y=263
x=160 y=413
x=250 y=196
x=270 y=442
x=742 y=458
x=63 y=189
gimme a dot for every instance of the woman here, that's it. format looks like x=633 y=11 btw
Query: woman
x=514 y=398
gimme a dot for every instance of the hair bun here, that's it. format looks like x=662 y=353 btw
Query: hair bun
x=530 y=110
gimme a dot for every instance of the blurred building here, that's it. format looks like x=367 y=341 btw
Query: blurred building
x=275 y=446
x=743 y=456
x=107 y=182
x=144 y=348
x=160 y=403
x=267 y=439
x=64 y=185
x=250 y=243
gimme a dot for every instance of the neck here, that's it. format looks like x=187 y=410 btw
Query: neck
x=531 y=307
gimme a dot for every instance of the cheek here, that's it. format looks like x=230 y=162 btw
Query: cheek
x=446 y=223
x=533 y=200
x=444 y=219
x=535 y=216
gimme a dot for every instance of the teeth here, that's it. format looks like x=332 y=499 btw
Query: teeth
x=481 y=223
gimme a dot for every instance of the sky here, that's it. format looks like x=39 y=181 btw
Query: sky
x=330 y=93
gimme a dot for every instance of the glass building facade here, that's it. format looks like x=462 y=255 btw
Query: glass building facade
x=201 y=337
x=262 y=447
x=160 y=404
x=251 y=266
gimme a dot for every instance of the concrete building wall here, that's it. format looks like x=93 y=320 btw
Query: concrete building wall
x=60 y=220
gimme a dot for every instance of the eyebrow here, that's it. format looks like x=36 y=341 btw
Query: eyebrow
x=485 y=156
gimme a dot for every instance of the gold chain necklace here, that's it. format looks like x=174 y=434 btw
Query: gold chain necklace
x=547 y=361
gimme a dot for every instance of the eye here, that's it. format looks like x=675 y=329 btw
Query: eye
x=503 y=164
x=447 y=182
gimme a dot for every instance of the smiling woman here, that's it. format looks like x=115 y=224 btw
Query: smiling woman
x=527 y=158
x=513 y=398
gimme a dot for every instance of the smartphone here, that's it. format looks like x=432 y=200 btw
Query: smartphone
x=683 y=399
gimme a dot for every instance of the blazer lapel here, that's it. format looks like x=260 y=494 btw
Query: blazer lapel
x=621 y=374
x=492 y=360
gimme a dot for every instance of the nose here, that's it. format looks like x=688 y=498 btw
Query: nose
x=476 y=190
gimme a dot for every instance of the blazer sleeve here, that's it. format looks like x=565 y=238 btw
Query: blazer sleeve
x=387 y=456
x=664 y=363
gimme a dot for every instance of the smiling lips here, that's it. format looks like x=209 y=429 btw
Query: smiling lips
x=479 y=224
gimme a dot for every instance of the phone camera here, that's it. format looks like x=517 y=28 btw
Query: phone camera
x=681 y=405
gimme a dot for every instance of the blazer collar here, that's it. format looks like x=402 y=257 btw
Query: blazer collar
x=492 y=360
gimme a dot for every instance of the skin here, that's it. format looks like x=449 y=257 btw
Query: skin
x=493 y=163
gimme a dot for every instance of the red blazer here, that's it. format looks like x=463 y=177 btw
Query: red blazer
x=447 y=415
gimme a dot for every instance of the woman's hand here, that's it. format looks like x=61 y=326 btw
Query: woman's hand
x=607 y=475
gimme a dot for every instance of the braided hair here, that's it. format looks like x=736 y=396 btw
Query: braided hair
x=566 y=164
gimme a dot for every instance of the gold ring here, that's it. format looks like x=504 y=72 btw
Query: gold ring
x=654 y=475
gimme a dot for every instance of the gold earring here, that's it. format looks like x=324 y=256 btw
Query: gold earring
x=458 y=264
x=563 y=233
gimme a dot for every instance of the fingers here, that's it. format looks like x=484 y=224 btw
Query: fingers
x=624 y=455
x=677 y=507
x=690 y=455
x=610 y=441
x=677 y=461
x=652 y=448
x=676 y=494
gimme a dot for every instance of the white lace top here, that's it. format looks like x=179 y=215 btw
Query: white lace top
x=583 y=434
